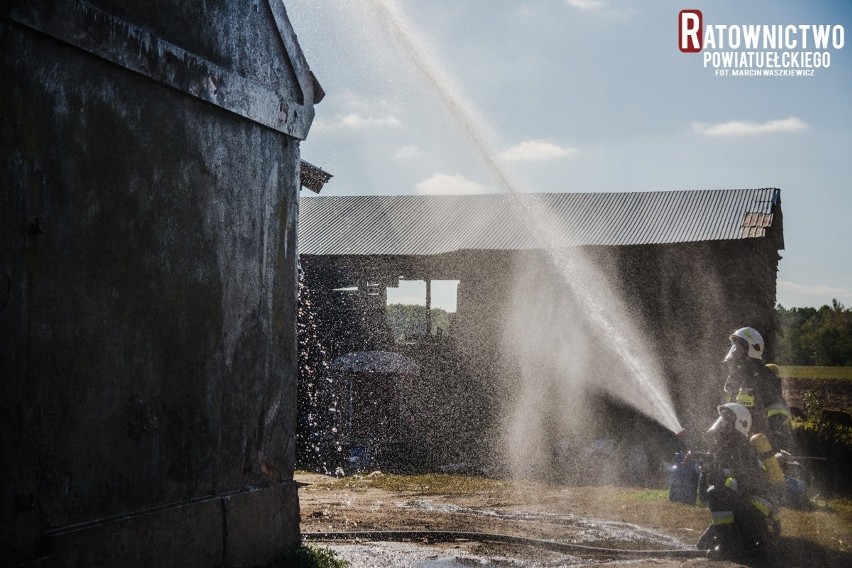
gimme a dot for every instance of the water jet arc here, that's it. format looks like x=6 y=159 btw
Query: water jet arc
x=658 y=405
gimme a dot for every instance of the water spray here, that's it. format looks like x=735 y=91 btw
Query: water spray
x=657 y=405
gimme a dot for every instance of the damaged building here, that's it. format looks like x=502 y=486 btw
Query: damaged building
x=688 y=267
x=148 y=288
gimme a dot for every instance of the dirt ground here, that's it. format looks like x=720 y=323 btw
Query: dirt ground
x=553 y=513
x=569 y=515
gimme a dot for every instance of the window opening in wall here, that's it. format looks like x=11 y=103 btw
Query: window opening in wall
x=418 y=308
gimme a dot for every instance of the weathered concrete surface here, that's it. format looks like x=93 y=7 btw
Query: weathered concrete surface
x=278 y=93
x=147 y=289
x=177 y=536
x=256 y=518
x=231 y=530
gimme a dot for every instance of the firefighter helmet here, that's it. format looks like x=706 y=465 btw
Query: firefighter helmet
x=732 y=415
x=745 y=338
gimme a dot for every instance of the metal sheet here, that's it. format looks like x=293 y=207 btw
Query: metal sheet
x=427 y=225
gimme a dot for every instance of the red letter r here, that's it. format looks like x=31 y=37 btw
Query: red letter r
x=689 y=28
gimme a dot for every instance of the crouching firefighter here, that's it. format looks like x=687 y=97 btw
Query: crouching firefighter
x=740 y=493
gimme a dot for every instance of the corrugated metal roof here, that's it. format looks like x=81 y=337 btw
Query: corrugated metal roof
x=425 y=225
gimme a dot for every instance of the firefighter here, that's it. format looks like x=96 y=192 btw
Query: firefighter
x=743 y=521
x=751 y=383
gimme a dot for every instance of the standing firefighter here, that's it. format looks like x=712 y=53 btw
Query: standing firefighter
x=739 y=492
x=751 y=384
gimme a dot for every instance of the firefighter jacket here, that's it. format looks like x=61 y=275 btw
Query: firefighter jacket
x=740 y=494
x=736 y=466
x=757 y=388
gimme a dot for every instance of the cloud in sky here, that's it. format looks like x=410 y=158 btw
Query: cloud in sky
x=444 y=184
x=837 y=292
x=738 y=128
x=357 y=121
x=406 y=152
x=587 y=4
x=535 y=151
x=349 y=110
x=607 y=8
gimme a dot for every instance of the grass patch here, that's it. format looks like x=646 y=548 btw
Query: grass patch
x=421 y=484
x=813 y=372
x=828 y=524
x=434 y=483
x=307 y=556
x=841 y=506
x=645 y=495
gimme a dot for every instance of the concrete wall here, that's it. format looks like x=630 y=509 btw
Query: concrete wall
x=147 y=300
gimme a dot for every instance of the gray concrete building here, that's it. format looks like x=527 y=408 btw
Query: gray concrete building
x=148 y=282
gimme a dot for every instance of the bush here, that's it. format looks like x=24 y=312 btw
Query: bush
x=307 y=556
x=816 y=437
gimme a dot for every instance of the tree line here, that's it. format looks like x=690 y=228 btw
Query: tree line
x=814 y=336
x=407 y=321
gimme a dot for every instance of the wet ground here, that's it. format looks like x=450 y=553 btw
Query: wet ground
x=530 y=529
x=467 y=554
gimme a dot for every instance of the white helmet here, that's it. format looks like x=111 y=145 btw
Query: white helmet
x=734 y=414
x=742 y=338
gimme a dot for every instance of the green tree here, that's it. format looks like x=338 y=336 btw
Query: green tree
x=809 y=336
x=406 y=320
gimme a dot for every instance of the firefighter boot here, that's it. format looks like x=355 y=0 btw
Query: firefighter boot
x=706 y=540
x=728 y=543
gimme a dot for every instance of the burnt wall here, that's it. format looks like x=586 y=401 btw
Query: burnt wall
x=688 y=298
x=147 y=301
x=684 y=298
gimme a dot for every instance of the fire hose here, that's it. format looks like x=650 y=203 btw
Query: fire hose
x=451 y=536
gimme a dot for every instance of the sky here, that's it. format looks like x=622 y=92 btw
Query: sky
x=425 y=96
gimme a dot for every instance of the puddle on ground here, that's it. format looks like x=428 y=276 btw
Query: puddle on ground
x=582 y=530
x=411 y=555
